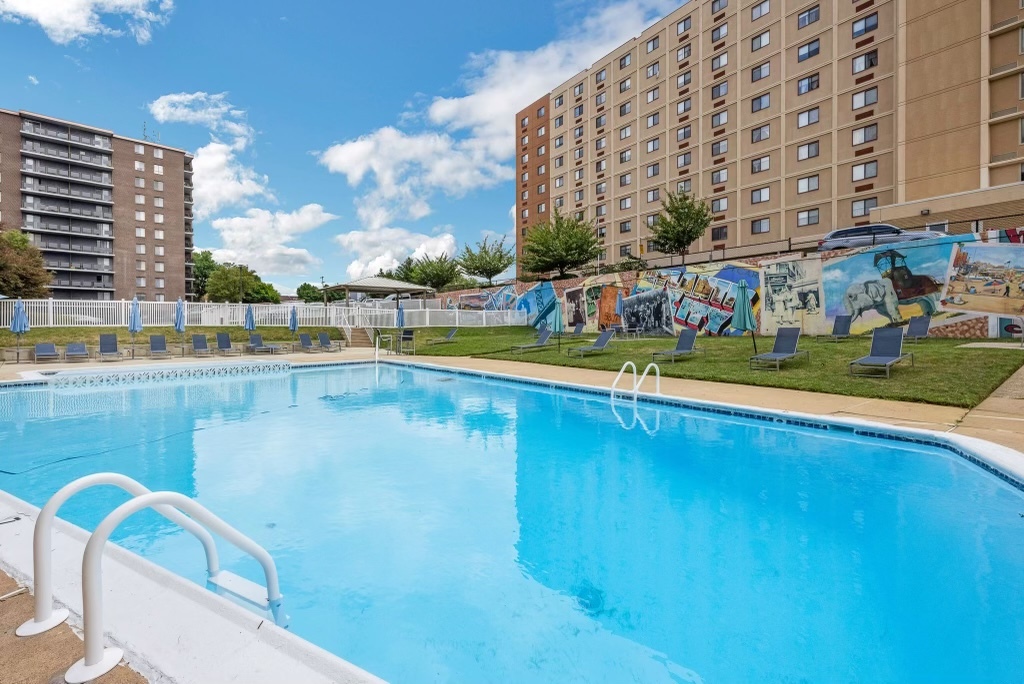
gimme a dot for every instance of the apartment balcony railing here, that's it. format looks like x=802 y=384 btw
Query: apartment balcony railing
x=62 y=265
x=189 y=200
x=71 y=155
x=71 y=247
x=69 y=192
x=72 y=211
x=1005 y=156
x=1002 y=67
x=1004 y=112
x=98 y=141
x=50 y=227
x=81 y=284
x=188 y=214
x=1005 y=22
x=68 y=173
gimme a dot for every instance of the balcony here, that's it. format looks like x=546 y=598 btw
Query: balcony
x=188 y=200
x=48 y=245
x=62 y=229
x=62 y=265
x=68 y=283
x=67 y=173
x=41 y=208
x=75 y=156
x=188 y=214
x=58 y=191
x=85 y=139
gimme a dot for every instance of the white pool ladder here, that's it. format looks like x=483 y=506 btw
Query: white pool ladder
x=173 y=506
x=635 y=389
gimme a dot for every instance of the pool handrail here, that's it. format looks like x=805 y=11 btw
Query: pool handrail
x=635 y=389
x=45 y=617
x=615 y=383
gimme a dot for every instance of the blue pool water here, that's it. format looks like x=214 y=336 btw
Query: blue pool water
x=432 y=527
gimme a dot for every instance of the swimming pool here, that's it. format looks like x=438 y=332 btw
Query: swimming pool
x=431 y=526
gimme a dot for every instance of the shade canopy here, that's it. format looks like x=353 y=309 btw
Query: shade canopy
x=376 y=285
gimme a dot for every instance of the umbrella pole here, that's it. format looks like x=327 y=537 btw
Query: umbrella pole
x=754 y=340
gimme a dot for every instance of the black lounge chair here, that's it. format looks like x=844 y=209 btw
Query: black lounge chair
x=407 y=341
x=76 y=351
x=886 y=352
x=200 y=346
x=446 y=339
x=224 y=345
x=108 y=348
x=840 y=328
x=786 y=340
x=46 y=351
x=918 y=328
x=685 y=346
x=599 y=345
x=306 y=343
x=542 y=341
x=326 y=343
x=158 y=347
x=256 y=345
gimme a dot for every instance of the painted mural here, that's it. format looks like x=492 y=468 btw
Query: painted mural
x=540 y=304
x=501 y=299
x=986 y=278
x=793 y=296
x=649 y=312
x=702 y=297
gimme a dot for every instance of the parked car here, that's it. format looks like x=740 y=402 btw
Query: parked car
x=873 y=234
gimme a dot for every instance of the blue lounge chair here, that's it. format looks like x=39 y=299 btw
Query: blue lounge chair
x=918 y=328
x=886 y=352
x=306 y=344
x=326 y=343
x=46 y=351
x=685 y=346
x=786 y=340
x=200 y=346
x=446 y=339
x=599 y=345
x=542 y=341
x=541 y=328
x=108 y=348
x=224 y=345
x=407 y=341
x=76 y=351
x=158 y=347
x=840 y=328
x=256 y=344
x=577 y=330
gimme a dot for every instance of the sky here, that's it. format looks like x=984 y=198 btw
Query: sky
x=331 y=139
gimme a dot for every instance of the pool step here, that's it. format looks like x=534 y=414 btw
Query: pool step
x=238 y=586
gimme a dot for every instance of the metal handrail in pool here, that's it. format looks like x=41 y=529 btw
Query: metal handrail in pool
x=635 y=390
x=615 y=383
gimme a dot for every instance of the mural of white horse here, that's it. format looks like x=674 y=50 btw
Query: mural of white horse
x=877 y=295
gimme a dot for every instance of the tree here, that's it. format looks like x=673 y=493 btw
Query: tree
x=559 y=245
x=682 y=221
x=488 y=260
x=203 y=267
x=309 y=293
x=436 y=272
x=22 y=269
x=405 y=271
x=234 y=282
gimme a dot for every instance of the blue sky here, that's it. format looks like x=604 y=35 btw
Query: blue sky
x=331 y=138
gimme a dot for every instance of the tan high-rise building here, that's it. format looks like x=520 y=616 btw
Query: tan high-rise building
x=111 y=215
x=791 y=117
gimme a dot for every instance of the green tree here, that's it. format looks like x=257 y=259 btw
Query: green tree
x=436 y=272
x=22 y=269
x=203 y=267
x=405 y=271
x=681 y=222
x=559 y=245
x=309 y=293
x=231 y=282
x=488 y=260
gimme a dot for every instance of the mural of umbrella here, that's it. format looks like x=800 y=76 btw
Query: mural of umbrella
x=743 y=314
x=134 y=321
x=19 y=325
x=293 y=321
x=179 y=321
x=250 y=319
x=400 y=317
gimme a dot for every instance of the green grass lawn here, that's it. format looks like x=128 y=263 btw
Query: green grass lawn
x=944 y=373
x=91 y=336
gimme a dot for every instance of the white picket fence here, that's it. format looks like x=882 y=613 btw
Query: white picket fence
x=52 y=313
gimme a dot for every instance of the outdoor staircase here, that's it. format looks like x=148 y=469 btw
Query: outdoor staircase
x=360 y=337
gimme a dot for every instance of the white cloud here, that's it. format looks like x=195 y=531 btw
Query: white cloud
x=65 y=21
x=384 y=248
x=468 y=141
x=211 y=110
x=260 y=239
x=33 y=80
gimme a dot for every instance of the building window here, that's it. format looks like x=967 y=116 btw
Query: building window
x=653 y=119
x=560 y=100
x=600 y=121
x=684 y=186
x=140 y=199
x=761 y=102
x=865 y=98
x=560 y=181
x=559 y=202
x=683 y=80
x=720 y=119
x=807 y=151
x=140 y=232
x=577 y=153
x=653 y=170
x=158 y=250
x=650 y=220
x=140 y=265
x=653 y=94
x=601 y=210
x=720 y=147
x=720 y=176
x=159 y=283
x=809 y=50
x=808 y=217
x=577 y=174
x=525 y=158
x=625 y=132
x=863 y=207
x=542 y=150
x=719 y=5
x=140 y=182
x=719 y=32
x=600 y=98
x=720 y=61
x=719 y=233
x=625 y=226
x=759 y=195
x=759 y=226
x=760 y=71
x=601 y=187
x=577 y=111
x=625 y=203
x=578 y=89
x=625 y=250
x=760 y=40
x=158 y=169
x=760 y=133
x=158 y=153
x=652 y=44
x=158 y=186
x=559 y=120
x=683 y=106
x=653 y=195
x=140 y=216
x=808 y=184
x=865 y=134
x=625 y=60
x=525 y=213
x=600 y=143
x=811 y=116
x=720 y=90
x=719 y=205
x=865 y=170
x=625 y=156
x=865 y=61
x=542 y=130
x=140 y=282
x=683 y=133
x=559 y=141
x=865 y=25
x=625 y=108
x=683 y=53
x=625 y=179
x=541 y=111
x=524 y=121
x=140 y=249
x=683 y=160
x=759 y=10
x=158 y=267
x=601 y=165
x=140 y=166
x=600 y=76
x=157 y=234
x=760 y=164
x=653 y=70
x=578 y=195
x=524 y=195
x=653 y=246
x=683 y=26
x=140 y=149
x=653 y=144
x=158 y=202
x=807 y=84
x=808 y=17
x=625 y=84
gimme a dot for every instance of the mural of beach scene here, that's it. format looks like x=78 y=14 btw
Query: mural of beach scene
x=702 y=297
x=986 y=278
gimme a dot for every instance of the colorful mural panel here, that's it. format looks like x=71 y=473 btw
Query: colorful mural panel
x=702 y=297
x=649 y=312
x=502 y=299
x=793 y=296
x=986 y=278
x=541 y=304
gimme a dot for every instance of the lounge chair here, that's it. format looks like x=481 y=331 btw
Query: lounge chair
x=256 y=345
x=577 y=330
x=200 y=346
x=158 y=347
x=840 y=328
x=786 y=340
x=541 y=328
x=886 y=351
x=444 y=340
x=108 y=348
x=685 y=346
x=326 y=343
x=224 y=345
x=76 y=351
x=542 y=341
x=599 y=345
x=918 y=328
x=47 y=351
x=407 y=341
x=306 y=344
